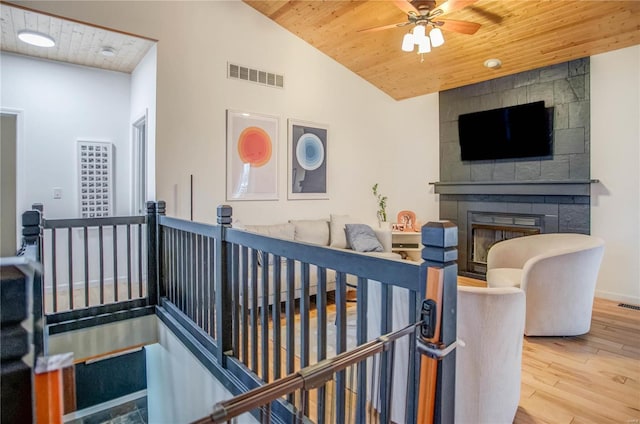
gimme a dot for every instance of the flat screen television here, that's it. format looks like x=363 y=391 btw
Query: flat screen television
x=511 y=132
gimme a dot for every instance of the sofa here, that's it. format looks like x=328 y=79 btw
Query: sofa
x=337 y=232
x=558 y=274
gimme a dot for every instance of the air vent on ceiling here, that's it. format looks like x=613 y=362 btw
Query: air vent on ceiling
x=255 y=75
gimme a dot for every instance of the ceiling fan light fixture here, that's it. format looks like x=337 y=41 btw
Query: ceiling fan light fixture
x=407 y=42
x=418 y=33
x=424 y=46
x=437 y=39
x=36 y=38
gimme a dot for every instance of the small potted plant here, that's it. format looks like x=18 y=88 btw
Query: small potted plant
x=382 y=205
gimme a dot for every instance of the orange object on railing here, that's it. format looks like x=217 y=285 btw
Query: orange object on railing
x=429 y=366
x=49 y=389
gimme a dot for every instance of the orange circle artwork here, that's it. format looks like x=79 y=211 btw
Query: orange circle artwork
x=254 y=146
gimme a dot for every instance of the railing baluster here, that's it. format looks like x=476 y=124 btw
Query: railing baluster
x=54 y=272
x=86 y=265
x=290 y=320
x=195 y=278
x=385 y=327
x=254 y=310
x=140 y=241
x=264 y=316
x=129 y=288
x=101 y=262
x=115 y=263
x=245 y=305
x=305 y=309
x=183 y=272
x=321 y=307
x=277 y=293
x=204 y=294
x=174 y=266
x=236 y=300
x=212 y=287
x=361 y=337
x=341 y=342
x=70 y=250
x=189 y=275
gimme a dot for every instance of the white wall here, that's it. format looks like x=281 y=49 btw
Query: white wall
x=615 y=161
x=372 y=138
x=62 y=104
x=143 y=100
x=179 y=388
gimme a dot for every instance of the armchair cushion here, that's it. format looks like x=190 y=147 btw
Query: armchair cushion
x=504 y=277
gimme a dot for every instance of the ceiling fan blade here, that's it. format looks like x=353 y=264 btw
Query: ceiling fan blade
x=380 y=28
x=450 y=6
x=405 y=6
x=462 y=27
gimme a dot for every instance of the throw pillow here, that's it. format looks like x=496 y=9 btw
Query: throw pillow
x=281 y=231
x=315 y=231
x=336 y=228
x=362 y=238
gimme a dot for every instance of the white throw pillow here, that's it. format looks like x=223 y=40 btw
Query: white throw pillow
x=281 y=231
x=336 y=228
x=315 y=231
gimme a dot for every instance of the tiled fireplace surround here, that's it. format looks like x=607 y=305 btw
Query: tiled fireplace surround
x=548 y=195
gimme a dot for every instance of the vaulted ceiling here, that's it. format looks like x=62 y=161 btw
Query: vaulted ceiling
x=523 y=34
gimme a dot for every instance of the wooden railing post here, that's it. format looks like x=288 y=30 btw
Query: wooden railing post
x=224 y=308
x=32 y=244
x=154 y=290
x=440 y=240
x=161 y=209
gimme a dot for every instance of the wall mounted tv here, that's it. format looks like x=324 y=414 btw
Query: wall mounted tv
x=511 y=132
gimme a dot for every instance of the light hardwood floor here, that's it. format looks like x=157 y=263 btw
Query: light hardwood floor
x=593 y=378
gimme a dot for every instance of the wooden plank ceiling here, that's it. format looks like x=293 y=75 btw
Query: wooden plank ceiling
x=523 y=34
x=76 y=42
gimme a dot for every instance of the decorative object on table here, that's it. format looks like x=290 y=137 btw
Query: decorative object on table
x=307 y=160
x=95 y=175
x=252 y=159
x=382 y=204
x=397 y=227
x=408 y=219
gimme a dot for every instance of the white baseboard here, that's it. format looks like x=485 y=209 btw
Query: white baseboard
x=618 y=297
x=95 y=283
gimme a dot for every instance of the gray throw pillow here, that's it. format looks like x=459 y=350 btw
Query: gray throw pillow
x=362 y=238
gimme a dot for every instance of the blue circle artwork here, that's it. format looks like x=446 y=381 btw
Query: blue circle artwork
x=310 y=151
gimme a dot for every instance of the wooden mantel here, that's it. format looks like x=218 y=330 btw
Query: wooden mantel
x=531 y=188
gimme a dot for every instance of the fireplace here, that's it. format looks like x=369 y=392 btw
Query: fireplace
x=487 y=229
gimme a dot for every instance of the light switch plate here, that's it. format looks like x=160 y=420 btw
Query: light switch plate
x=57 y=193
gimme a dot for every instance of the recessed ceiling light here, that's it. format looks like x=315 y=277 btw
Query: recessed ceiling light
x=36 y=38
x=493 y=63
x=108 y=52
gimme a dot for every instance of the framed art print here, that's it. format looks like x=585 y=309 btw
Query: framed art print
x=252 y=156
x=307 y=160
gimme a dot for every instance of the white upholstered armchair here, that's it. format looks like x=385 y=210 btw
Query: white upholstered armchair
x=488 y=367
x=557 y=273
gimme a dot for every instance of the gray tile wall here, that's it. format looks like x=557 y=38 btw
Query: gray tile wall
x=565 y=87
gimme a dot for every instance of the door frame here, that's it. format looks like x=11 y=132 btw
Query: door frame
x=21 y=197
